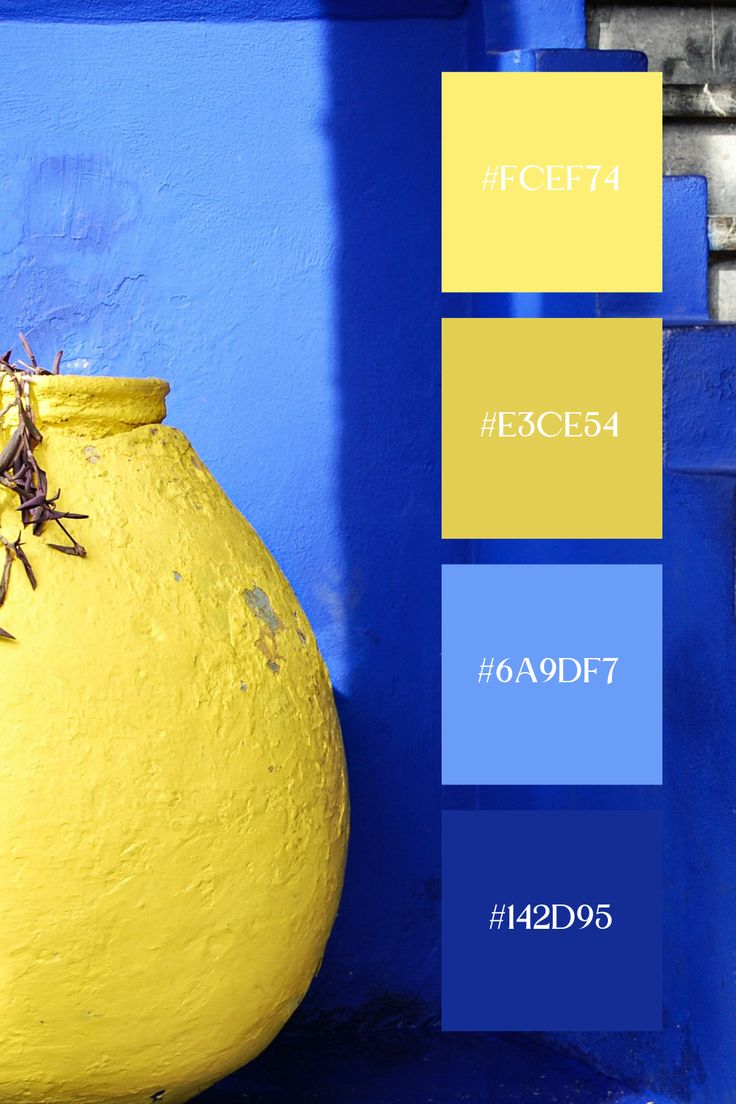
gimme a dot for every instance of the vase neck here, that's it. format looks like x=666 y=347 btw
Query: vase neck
x=93 y=406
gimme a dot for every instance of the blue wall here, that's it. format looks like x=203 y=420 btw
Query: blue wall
x=222 y=11
x=154 y=225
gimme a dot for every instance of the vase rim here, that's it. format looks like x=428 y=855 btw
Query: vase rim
x=108 y=402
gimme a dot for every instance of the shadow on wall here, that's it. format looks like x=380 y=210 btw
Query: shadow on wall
x=384 y=127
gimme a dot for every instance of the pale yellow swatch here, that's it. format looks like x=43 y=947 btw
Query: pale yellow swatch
x=577 y=235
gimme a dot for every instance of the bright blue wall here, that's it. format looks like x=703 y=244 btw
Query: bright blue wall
x=222 y=11
x=182 y=224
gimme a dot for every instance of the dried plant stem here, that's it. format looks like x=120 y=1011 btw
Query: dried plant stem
x=21 y=473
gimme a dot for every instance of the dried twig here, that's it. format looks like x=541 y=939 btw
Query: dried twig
x=29 y=351
x=21 y=473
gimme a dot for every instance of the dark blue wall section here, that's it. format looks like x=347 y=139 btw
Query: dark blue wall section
x=222 y=11
x=384 y=125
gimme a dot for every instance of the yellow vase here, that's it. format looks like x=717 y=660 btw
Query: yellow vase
x=173 y=803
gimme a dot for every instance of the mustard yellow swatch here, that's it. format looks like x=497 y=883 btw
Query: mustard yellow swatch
x=552 y=428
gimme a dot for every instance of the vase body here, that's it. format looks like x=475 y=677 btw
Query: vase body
x=173 y=803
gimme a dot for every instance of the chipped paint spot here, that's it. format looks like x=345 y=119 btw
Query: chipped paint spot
x=257 y=600
x=243 y=686
x=91 y=454
x=177 y=576
x=259 y=603
x=299 y=633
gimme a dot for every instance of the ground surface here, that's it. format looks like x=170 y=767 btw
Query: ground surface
x=429 y=1070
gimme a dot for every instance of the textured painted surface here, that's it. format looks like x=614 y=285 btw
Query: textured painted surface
x=173 y=805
